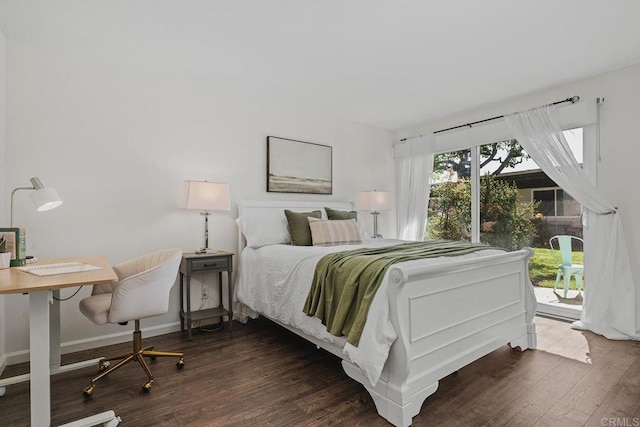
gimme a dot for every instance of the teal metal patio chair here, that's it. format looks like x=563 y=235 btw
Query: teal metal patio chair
x=566 y=267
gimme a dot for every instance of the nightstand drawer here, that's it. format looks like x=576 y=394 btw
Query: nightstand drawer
x=208 y=264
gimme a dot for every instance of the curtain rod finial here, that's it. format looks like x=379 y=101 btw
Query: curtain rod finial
x=575 y=99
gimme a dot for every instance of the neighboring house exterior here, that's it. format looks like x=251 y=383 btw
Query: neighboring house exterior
x=557 y=209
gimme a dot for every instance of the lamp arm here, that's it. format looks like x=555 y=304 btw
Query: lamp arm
x=12 y=193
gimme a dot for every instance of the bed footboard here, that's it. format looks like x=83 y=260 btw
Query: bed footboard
x=447 y=316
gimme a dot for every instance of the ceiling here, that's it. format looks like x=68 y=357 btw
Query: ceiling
x=389 y=64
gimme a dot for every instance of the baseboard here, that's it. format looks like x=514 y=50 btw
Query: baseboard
x=93 y=342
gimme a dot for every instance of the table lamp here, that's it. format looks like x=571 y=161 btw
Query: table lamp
x=43 y=198
x=205 y=196
x=375 y=202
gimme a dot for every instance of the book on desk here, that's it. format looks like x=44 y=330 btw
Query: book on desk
x=16 y=244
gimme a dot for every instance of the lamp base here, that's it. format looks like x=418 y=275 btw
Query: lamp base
x=376 y=235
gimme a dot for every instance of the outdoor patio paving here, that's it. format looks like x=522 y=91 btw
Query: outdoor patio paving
x=553 y=304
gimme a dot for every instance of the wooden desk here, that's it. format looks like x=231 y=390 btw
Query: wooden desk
x=44 y=322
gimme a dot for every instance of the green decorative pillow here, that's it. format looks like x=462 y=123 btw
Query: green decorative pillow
x=299 y=226
x=333 y=214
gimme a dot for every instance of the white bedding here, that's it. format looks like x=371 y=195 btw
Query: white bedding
x=274 y=280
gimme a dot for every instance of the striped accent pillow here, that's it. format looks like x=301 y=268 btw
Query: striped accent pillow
x=332 y=233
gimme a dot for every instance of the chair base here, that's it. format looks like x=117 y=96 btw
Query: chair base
x=138 y=354
x=566 y=274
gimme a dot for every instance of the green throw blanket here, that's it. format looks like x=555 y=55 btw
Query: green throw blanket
x=345 y=283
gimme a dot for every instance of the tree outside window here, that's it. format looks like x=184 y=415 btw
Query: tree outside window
x=504 y=220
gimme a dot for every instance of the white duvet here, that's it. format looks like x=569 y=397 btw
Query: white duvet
x=274 y=281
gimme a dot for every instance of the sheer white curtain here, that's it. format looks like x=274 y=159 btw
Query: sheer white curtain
x=415 y=163
x=609 y=298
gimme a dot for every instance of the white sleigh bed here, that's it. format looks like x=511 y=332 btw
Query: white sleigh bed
x=440 y=314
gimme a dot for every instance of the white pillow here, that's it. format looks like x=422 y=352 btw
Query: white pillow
x=261 y=231
x=334 y=232
x=364 y=236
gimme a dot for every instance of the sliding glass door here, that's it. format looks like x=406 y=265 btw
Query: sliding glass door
x=450 y=209
x=496 y=194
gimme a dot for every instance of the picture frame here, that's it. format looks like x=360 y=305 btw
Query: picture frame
x=299 y=167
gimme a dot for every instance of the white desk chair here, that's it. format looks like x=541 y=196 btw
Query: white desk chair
x=142 y=291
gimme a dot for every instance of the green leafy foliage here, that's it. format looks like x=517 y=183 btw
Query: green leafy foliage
x=504 y=221
x=3 y=245
x=450 y=211
x=543 y=232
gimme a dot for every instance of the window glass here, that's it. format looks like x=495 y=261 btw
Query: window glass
x=547 y=202
x=567 y=205
x=449 y=214
x=513 y=201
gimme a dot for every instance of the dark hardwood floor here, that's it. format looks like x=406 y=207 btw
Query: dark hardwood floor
x=263 y=375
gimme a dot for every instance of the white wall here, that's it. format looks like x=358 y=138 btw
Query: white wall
x=3 y=121
x=620 y=141
x=117 y=144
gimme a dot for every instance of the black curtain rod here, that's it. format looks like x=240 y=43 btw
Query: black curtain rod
x=572 y=100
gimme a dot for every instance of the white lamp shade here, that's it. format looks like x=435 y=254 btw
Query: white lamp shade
x=45 y=199
x=374 y=201
x=205 y=196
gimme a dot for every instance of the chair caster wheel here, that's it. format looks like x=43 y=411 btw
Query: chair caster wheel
x=88 y=391
x=103 y=365
x=147 y=387
x=180 y=363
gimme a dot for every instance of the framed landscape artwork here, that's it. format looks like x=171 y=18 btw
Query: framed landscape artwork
x=298 y=167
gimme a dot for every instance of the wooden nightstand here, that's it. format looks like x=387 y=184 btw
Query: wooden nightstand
x=220 y=261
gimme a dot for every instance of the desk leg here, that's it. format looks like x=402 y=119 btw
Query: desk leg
x=55 y=352
x=54 y=332
x=40 y=362
x=40 y=388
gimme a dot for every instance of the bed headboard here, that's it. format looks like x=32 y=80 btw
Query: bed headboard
x=271 y=212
